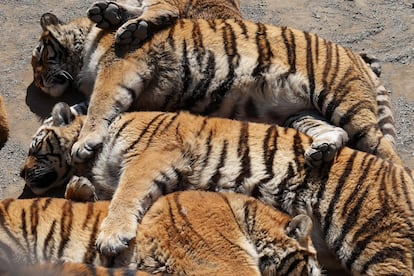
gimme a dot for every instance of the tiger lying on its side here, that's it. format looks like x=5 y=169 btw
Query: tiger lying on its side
x=184 y=233
x=4 y=124
x=65 y=53
x=361 y=205
x=255 y=83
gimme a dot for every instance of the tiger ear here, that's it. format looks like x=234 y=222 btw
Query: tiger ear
x=300 y=228
x=48 y=19
x=61 y=114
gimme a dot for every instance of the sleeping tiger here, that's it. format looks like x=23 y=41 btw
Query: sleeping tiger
x=65 y=53
x=361 y=204
x=75 y=51
x=264 y=73
x=4 y=124
x=184 y=233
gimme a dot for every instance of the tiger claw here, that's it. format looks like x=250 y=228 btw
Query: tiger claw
x=84 y=150
x=106 y=14
x=319 y=154
x=114 y=237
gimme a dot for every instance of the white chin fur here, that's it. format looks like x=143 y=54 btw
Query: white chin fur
x=56 y=90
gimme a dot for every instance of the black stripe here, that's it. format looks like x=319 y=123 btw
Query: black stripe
x=24 y=232
x=217 y=175
x=34 y=223
x=264 y=51
x=49 y=242
x=243 y=151
x=393 y=252
x=233 y=58
x=144 y=131
x=299 y=151
x=309 y=67
x=337 y=193
x=250 y=210
x=197 y=36
x=200 y=90
x=290 y=48
x=91 y=250
x=65 y=227
x=155 y=131
x=89 y=214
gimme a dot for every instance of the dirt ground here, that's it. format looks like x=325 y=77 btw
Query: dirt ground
x=383 y=28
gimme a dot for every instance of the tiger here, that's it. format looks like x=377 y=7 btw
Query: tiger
x=231 y=68
x=361 y=205
x=183 y=233
x=64 y=55
x=4 y=124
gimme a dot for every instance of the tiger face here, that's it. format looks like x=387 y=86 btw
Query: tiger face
x=58 y=56
x=48 y=163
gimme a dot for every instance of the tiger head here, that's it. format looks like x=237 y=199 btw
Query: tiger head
x=48 y=163
x=58 y=57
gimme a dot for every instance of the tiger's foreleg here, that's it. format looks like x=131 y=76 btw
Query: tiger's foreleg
x=110 y=14
x=134 y=197
x=327 y=139
x=115 y=90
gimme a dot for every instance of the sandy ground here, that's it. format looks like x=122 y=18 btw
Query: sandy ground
x=383 y=28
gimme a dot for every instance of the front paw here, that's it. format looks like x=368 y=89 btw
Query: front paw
x=133 y=32
x=106 y=14
x=80 y=189
x=84 y=149
x=115 y=236
x=325 y=146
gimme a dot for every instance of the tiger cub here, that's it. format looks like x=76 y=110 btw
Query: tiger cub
x=65 y=53
x=361 y=204
x=184 y=233
x=4 y=124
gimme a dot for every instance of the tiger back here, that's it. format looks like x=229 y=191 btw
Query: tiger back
x=191 y=233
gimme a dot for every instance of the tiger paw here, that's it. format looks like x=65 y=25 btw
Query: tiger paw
x=106 y=14
x=84 y=149
x=80 y=189
x=325 y=146
x=114 y=236
x=133 y=32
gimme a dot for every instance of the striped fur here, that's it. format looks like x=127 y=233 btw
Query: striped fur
x=184 y=233
x=4 y=124
x=362 y=205
x=254 y=83
x=265 y=73
x=65 y=55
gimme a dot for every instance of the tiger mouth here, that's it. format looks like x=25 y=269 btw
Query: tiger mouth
x=43 y=181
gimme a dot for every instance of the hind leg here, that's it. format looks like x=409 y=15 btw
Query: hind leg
x=326 y=138
x=359 y=118
x=109 y=14
x=156 y=14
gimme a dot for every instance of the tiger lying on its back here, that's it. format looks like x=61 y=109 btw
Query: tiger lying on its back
x=361 y=205
x=4 y=124
x=185 y=233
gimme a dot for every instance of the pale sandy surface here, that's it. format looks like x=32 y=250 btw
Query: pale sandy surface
x=383 y=28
